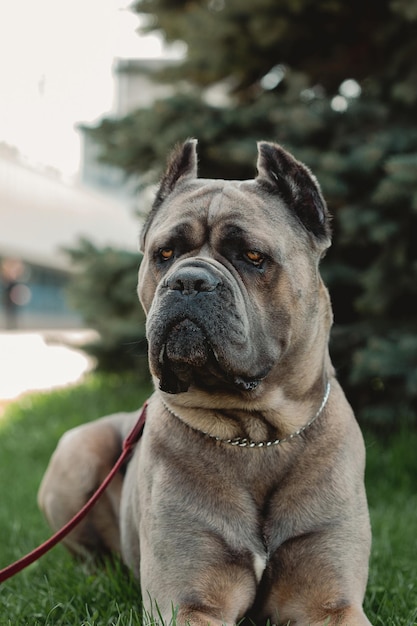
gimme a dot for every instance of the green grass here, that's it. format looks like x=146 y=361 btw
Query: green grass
x=58 y=591
x=392 y=494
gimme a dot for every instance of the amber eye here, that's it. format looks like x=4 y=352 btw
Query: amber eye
x=166 y=253
x=254 y=257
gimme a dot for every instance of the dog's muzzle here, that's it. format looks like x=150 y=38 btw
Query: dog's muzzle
x=196 y=330
x=186 y=346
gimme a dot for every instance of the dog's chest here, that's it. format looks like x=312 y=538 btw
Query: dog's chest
x=212 y=485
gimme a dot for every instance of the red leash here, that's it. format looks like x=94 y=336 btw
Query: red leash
x=128 y=445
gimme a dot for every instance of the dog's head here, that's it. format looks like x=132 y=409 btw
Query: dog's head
x=229 y=278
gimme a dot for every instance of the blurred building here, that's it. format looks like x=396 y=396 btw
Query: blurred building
x=134 y=88
x=40 y=216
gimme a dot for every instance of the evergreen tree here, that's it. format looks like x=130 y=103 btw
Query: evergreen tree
x=336 y=83
x=104 y=291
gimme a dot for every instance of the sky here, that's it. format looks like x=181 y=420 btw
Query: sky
x=56 y=60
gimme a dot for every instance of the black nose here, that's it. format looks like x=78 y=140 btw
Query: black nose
x=192 y=280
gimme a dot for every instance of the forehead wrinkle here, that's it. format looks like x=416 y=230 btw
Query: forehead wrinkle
x=226 y=204
x=193 y=202
x=214 y=208
x=233 y=204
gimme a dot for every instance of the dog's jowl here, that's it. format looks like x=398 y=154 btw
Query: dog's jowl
x=245 y=496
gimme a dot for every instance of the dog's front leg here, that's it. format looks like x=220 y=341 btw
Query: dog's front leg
x=215 y=596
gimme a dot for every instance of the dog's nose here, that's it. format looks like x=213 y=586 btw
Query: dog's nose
x=192 y=280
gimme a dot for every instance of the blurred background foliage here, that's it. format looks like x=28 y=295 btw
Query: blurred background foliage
x=336 y=83
x=104 y=290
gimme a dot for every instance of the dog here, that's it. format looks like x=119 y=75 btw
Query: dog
x=245 y=496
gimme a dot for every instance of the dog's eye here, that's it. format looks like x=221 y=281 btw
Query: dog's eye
x=255 y=257
x=166 y=254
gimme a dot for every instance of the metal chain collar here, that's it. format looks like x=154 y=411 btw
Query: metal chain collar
x=242 y=442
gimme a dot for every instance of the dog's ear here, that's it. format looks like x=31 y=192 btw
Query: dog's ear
x=282 y=174
x=182 y=163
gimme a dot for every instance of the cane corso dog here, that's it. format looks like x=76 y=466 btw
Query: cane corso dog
x=245 y=496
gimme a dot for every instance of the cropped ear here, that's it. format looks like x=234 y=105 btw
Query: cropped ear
x=182 y=164
x=282 y=174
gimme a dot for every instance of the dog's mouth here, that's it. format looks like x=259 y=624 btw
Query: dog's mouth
x=187 y=357
x=184 y=348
